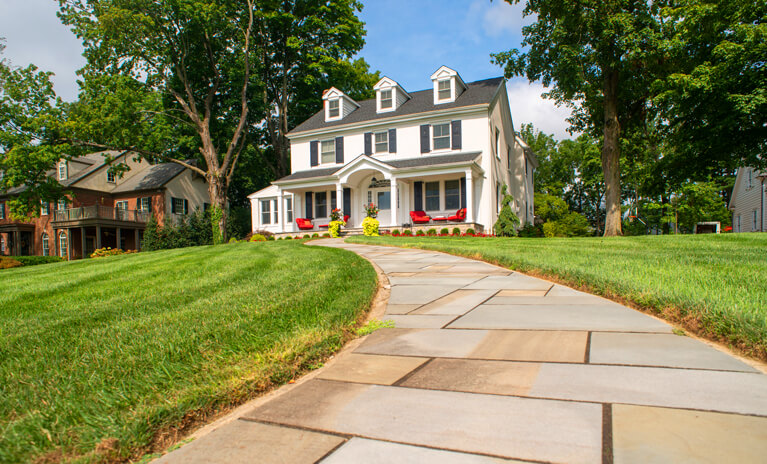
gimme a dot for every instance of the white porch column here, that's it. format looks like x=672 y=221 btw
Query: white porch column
x=469 y=197
x=340 y=200
x=393 y=197
x=281 y=209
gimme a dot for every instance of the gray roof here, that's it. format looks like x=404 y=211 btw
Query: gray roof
x=422 y=161
x=150 y=178
x=420 y=102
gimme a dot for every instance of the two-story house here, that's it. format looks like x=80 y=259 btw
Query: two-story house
x=103 y=209
x=747 y=201
x=442 y=151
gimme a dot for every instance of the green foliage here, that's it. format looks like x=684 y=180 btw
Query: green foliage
x=370 y=226
x=431 y=232
x=529 y=231
x=192 y=230
x=444 y=231
x=407 y=233
x=700 y=202
x=395 y=232
x=507 y=222
x=558 y=220
x=470 y=231
x=334 y=228
x=7 y=262
x=257 y=238
x=456 y=231
x=420 y=233
x=373 y=325
x=106 y=252
x=306 y=236
x=35 y=260
x=216 y=214
x=315 y=235
x=325 y=235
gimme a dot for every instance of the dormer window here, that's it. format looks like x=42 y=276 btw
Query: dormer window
x=110 y=177
x=443 y=89
x=334 y=109
x=386 y=99
x=63 y=170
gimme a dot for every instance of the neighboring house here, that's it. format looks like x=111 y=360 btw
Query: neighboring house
x=103 y=209
x=439 y=150
x=747 y=201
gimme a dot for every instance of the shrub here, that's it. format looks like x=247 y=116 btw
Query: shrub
x=507 y=222
x=270 y=237
x=456 y=231
x=470 y=231
x=530 y=230
x=108 y=251
x=370 y=226
x=326 y=235
x=8 y=263
x=315 y=235
x=35 y=260
x=334 y=228
x=289 y=237
x=444 y=231
x=407 y=233
x=257 y=238
x=431 y=232
x=306 y=236
x=232 y=240
x=395 y=233
x=571 y=225
x=420 y=233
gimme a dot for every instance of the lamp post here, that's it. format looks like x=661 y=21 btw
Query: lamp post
x=761 y=178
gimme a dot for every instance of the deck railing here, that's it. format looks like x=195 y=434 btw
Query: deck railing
x=100 y=212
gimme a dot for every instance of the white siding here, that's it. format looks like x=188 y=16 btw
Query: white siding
x=189 y=186
x=746 y=201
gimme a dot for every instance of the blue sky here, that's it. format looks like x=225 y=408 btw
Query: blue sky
x=407 y=40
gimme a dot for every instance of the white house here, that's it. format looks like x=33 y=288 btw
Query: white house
x=747 y=201
x=439 y=150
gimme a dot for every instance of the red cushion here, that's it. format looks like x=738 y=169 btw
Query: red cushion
x=346 y=218
x=324 y=226
x=460 y=215
x=441 y=218
x=419 y=216
x=304 y=224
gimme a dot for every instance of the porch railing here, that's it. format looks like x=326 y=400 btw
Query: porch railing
x=100 y=212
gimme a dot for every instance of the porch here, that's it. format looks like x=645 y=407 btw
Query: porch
x=81 y=231
x=438 y=226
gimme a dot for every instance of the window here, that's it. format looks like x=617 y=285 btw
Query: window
x=382 y=142
x=144 y=204
x=121 y=205
x=386 y=98
x=2 y=245
x=754 y=228
x=333 y=202
x=289 y=209
x=750 y=183
x=321 y=204
x=334 y=109
x=63 y=170
x=44 y=209
x=498 y=196
x=266 y=211
x=432 y=196
x=452 y=194
x=46 y=247
x=443 y=90
x=61 y=205
x=110 y=177
x=497 y=143
x=275 y=212
x=62 y=244
x=441 y=136
x=738 y=223
x=384 y=200
x=178 y=206
x=328 y=152
x=2 y=210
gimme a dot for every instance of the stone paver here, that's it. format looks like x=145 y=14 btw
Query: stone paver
x=644 y=435
x=486 y=364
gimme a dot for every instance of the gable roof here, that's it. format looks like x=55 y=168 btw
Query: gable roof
x=477 y=92
x=150 y=178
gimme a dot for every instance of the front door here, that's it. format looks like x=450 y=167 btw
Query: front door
x=26 y=244
x=381 y=197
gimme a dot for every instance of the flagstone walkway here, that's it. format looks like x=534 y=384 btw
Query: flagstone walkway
x=486 y=365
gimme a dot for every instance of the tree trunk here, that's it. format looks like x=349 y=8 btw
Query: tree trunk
x=611 y=156
x=217 y=190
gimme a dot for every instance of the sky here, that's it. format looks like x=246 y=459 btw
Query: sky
x=407 y=40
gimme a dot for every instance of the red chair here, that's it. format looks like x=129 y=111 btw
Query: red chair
x=419 y=217
x=346 y=218
x=459 y=216
x=304 y=224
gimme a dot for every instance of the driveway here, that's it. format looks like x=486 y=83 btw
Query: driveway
x=486 y=365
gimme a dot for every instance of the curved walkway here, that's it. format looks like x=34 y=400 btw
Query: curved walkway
x=488 y=365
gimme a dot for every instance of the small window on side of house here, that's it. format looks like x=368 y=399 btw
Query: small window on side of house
x=2 y=210
x=44 y=209
x=61 y=205
x=122 y=205
x=110 y=177
x=432 y=196
x=443 y=89
x=178 y=206
x=334 y=108
x=62 y=244
x=386 y=99
x=266 y=211
x=382 y=142
x=441 y=136
x=63 y=170
x=328 y=152
x=2 y=245
x=144 y=204
x=321 y=204
x=46 y=246
x=289 y=209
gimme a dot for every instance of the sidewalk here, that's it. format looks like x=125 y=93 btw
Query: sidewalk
x=486 y=365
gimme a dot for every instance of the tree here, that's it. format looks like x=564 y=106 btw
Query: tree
x=595 y=54
x=700 y=202
x=196 y=54
x=507 y=222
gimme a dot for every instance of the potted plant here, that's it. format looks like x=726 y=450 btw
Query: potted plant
x=334 y=227
x=370 y=223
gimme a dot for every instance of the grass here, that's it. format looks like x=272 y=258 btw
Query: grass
x=714 y=285
x=104 y=360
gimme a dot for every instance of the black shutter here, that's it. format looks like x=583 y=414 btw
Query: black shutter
x=418 y=194
x=339 y=150
x=314 y=153
x=392 y=140
x=186 y=207
x=463 y=192
x=368 y=143
x=173 y=205
x=425 y=138
x=455 y=132
x=348 y=201
x=149 y=201
x=308 y=202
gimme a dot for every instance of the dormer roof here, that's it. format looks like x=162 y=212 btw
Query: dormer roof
x=444 y=72
x=342 y=107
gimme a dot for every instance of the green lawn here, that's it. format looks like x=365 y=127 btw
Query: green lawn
x=715 y=285
x=99 y=358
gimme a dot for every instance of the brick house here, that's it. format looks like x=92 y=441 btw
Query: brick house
x=102 y=209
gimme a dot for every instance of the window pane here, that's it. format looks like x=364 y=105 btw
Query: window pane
x=328 y=151
x=275 y=212
x=452 y=194
x=333 y=108
x=384 y=200
x=289 y=209
x=441 y=136
x=333 y=203
x=432 y=196
x=443 y=88
x=386 y=100
x=265 y=212
x=382 y=142
x=321 y=207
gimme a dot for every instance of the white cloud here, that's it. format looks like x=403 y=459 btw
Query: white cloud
x=528 y=106
x=501 y=17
